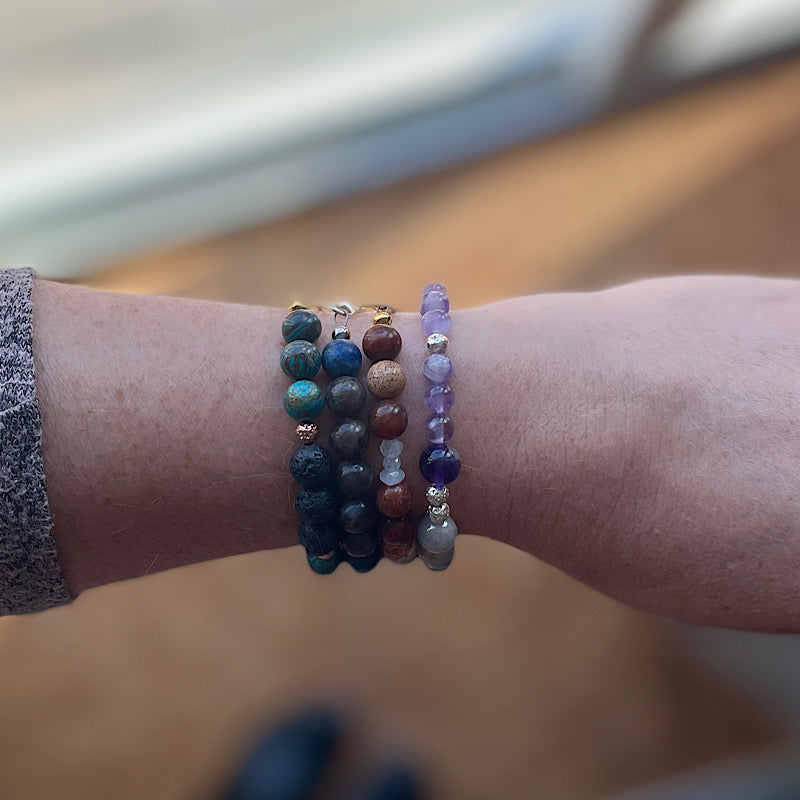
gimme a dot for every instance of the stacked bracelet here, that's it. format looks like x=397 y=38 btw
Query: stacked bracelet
x=349 y=438
x=311 y=465
x=439 y=462
x=388 y=419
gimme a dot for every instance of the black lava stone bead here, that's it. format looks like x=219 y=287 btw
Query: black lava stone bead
x=312 y=467
x=301 y=324
x=357 y=516
x=349 y=438
x=354 y=478
x=318 y=505
x=346 y=396
x=318 y=538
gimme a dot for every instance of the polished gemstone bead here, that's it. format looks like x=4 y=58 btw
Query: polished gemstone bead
x=357 y=516
x=381 y=342
x=346 y=396
x=438 y=429
x=349 y=438
x=365 y=563
x=318 y=538
x=394 y=501
x=300 y=359
x=436 y=322
x=304 y=400
x=398 y=539
x=391 y=448
x=439 y=398
x=437 y=495
x=318 y=505
x=354 y=478
x=341 y=357
x=388 y=419
x=434 y=300
x=324 y=565
x=391 y=477
x=439 y=464
x=434 y=287
x=359 y=545
x=301 y=324
x=386 y=379
x=312 y=467
x=437 y=367
x=436 y=543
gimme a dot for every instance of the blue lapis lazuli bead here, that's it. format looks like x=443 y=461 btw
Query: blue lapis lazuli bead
x=341 y=357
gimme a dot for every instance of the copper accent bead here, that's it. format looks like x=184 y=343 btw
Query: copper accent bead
x=381 y=342
x=394 y=501
x=388 y=420
x=386 y=379
x=306 y=432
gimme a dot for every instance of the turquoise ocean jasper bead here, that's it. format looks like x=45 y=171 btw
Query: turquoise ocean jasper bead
x=341 y=357
x=300 y=360
x=304 y=400
x=301 y=324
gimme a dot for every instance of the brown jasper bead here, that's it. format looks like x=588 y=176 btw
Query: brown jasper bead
x=381 y=342
x=394 y=501
x=386 y=379
x=388 y=420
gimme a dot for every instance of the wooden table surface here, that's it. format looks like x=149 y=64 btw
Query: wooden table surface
x=505 y=677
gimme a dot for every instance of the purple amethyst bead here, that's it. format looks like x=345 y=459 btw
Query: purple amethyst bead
x=438 y=429
x=439 y=464
x=434 y=301
x=434 y=287
x=439 y=398
x=436 y=322
x=437 y=367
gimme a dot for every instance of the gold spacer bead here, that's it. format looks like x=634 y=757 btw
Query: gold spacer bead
x=382 y=317
x=306 y=432
x=297 y=306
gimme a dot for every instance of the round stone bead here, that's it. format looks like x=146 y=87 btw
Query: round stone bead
x=324 y=566
x=341 y=357
x=436 y=322
x=439 y=464
x=398 y=539
x=439 y=398
x=437 y=367
x=394 y=501
x=357 y=516
x=438 y=429
x=386 y=379
x=301 y=324
x=346 y=396
x=364 y=563
x=304 y=400
x=300 y=359
x=434 y=300
x=436 y=543
x=354 y=478
x=381 y=342
x=317 y=505
x=318 y=538
x=434 y=287
x=388 y=419
x=349 y=438
x=391 y=448
x=312 y=467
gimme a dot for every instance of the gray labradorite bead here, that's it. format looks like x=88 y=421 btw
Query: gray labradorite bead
x=358 y=517
x=349 y=438
x=301 y=324
x=317 y=505
x=300 y=359
x=312 y=467
x=346 y=396
x=354 y=478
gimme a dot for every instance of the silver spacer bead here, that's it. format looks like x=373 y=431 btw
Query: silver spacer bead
x=438 y=514
x=436 y=496
x=437 y=343
x=340 y=333
x=306 y=432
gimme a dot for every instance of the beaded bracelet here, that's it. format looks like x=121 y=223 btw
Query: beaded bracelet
x=439 y=462
x=349 y=439
x=388 y=419
x=311 y=465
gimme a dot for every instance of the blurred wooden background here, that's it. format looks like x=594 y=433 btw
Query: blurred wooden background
x=507 y=678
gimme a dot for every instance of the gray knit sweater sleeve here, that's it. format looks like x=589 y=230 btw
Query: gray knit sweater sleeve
x=30 y=575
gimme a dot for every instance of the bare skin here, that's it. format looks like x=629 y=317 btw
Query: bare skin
x=643 y=439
